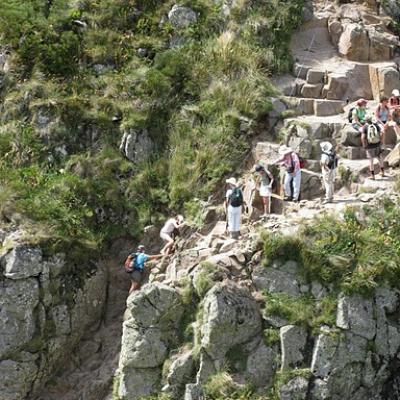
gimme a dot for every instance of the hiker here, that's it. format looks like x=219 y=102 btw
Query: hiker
x=168 y=233
x=265 y=180
x=139 y=260
x=382 y=116
x=395 y=121
x=358 y=115
x=371 y=140
x=329 y=163
x=233 y=207
x=394 y=101
x=290 y=160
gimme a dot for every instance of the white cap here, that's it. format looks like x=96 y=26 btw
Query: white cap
x=231 y=181
x=395 y=93
x=326 y=146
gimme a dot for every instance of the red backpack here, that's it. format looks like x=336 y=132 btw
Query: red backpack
x=129 y=264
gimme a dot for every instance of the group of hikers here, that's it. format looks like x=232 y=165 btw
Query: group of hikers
x=372 y=130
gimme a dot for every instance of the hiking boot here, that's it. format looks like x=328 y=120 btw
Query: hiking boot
x=372 y=175
x=287 y=198
x=382 y=172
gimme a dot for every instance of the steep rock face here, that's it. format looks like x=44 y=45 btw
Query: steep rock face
x=46 y=306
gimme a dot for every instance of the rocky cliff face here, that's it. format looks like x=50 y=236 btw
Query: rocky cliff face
x=46 y=306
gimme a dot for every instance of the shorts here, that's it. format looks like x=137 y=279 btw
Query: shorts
x=265 y=191
x=137 y=276
x=356 y=126
x=373 y=152
x=165 y=236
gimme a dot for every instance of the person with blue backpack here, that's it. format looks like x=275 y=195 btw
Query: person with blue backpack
x=233 y=207
x=135 y=266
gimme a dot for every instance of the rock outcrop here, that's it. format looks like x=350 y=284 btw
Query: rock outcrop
x=46 y=306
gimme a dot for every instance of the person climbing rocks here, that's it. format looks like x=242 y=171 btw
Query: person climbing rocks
x=329 y=163
x=371 y=139
x=290 y=160
x=264 y=183
x=394 y=101
x=358 y=115
x=169 y=232
x=233 y=207
x=139 y=260
x=382 y=116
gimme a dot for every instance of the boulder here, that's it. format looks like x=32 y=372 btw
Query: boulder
x=354 y=43
x=348 y=11
x=193 y=391
x=136 y=145
x=393 y=158
x=355 y=153
x=381 y=44
x=355 y=313
x=311 y=185
x=138 y=383
x=383 y=80
x=231 y=317
x=22 y=262
x=336 y=87
x=295 y=389
x=180 y=372
x=323 y=355
x=350 y=137
x=277 y=280
x=323 y=108
x=312 y=90
x=278 y=107
x=315 y=76
x=335 y=29
x=301 y=146
x=181 y=17
x=293 y=343
x=261 y=366
x=300 y=71
x=392 y=8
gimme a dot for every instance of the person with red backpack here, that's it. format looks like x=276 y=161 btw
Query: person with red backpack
x=135 y=266
x=233 y=207
x=291 y=161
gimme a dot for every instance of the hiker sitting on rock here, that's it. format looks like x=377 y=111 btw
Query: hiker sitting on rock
x=139 y=260
x=233 y=207
x=329 y=163
x=290 y=160
x=168 y=233
x=382 y=116
x=265 y=181
x=371 y=140
x=358 y=115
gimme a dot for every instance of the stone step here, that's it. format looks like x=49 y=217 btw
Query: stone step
x=324 y=108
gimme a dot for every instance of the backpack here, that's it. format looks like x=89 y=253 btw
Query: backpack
x=333 y=160
x=129 y=264
x=236 y=197
x=350 y=114
x=373 y=135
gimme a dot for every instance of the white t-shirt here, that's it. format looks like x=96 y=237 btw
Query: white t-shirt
x=228 y=193
x=169 y=226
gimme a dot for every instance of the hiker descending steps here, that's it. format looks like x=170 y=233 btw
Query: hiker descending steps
x=291 y=161
x=135 y=266
x=329 y=163
x=233 y=207
x=264 y=182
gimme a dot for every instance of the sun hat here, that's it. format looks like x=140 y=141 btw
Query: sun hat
x=141 y=247
x=180 y=219
x=231 y=181
x=361 y=102
x=396 y=93
x=283 y=150
x=326 y=146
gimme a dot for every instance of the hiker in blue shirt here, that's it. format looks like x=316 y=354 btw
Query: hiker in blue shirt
x=140 y=259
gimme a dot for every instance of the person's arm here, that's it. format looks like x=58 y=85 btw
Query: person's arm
x=364 y=139
x=377 y=114
x=155 y=257
x=271 y=179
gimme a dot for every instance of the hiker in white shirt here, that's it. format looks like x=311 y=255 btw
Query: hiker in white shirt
x=168 y=231
x=329 y=163
x=233 y=207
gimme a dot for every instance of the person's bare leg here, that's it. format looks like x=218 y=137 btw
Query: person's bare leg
x=134 y=286
x=168 y=245
x=371 y=168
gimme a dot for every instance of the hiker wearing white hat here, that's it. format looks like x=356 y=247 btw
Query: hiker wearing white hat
x=329 y=163
x=394 y=101
x=233 y=207
x=290 y=160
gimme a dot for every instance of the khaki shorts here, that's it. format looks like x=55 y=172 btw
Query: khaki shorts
x=165 y=236
x=373 y=152
x=136 y=276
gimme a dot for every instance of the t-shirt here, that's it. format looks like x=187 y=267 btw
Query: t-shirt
x=359 y=112
x=169 y=226
x=228 y=194
x=324 y=159
x=290 y=160
x=264 y=179
x=141 y=258
x=383 y=113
